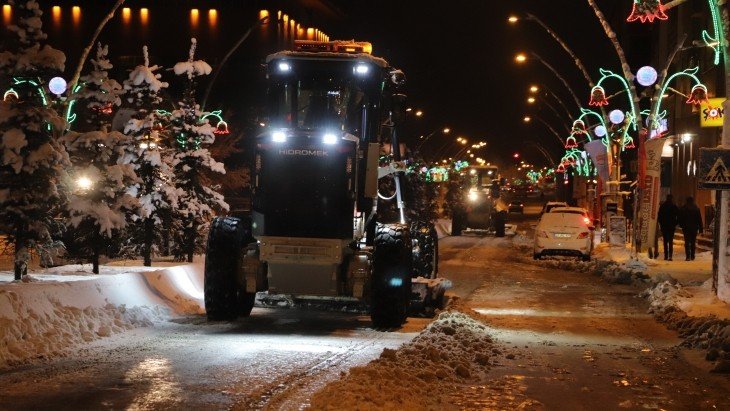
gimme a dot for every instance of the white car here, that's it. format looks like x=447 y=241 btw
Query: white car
x=552 y=204
x=574 y=210
x=563 y=234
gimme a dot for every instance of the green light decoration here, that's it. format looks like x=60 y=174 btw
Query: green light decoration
x=437 y=174
x=694 y=98
x=70 y=115
x=579 y=160
x=459 y=165
x=34 y=83
x=606 y=74
x=715 y=41
x=221 y=126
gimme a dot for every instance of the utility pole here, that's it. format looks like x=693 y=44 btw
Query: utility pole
x=721 y=270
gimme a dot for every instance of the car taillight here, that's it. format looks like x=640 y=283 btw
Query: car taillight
x=542 y=234
x=587 y=220
x=583 y=235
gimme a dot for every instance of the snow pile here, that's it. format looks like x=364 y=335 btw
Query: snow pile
x=612 y=272
x=671 y=303
x=43 y=319
x=454 y=349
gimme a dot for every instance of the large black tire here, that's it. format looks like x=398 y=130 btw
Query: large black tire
x=425 y=250
x=225 y=297
x=391 y=285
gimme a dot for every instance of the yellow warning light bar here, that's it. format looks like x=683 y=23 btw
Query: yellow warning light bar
x=337 y=46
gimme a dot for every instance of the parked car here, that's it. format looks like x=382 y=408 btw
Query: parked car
x=566 y=234
x=516 y=207
x=575 y=210
x=552 y=204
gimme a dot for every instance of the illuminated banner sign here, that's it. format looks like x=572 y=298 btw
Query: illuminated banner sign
x=712 y=113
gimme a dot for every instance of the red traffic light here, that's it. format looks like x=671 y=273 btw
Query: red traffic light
x=516 y=155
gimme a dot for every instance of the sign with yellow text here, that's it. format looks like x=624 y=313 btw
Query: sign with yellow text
x=711 y=112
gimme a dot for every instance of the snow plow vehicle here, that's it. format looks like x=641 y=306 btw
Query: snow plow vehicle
x=479 y=210
x=315 y=231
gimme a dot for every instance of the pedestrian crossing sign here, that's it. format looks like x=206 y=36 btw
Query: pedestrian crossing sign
x=713 y=171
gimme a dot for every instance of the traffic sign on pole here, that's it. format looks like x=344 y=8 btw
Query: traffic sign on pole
x=713 y=170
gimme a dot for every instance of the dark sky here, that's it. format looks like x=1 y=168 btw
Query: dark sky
x=457 y=54
x=458 y=57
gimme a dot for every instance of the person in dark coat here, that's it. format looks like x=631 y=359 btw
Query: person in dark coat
x=690 y=220
x=668 y=218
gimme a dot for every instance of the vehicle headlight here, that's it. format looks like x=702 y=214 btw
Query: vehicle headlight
x=284 y=67
x=278 y=136
x=361 y=69
x=473 y=196
x=329 y=138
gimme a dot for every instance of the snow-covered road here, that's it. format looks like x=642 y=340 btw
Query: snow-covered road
x=275 y=358
x=521 y=335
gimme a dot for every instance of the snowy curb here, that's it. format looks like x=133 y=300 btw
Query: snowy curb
x=454 y=349
x=44 y=319
x=705 y=332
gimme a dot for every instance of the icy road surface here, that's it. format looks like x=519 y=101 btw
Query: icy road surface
x=274 y=359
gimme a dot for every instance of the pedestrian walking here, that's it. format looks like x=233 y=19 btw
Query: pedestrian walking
x=690 y=220
x=668 y=218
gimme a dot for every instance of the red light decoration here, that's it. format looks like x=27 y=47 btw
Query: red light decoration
x=698 y=94
x=221 y=128
x=598 y=97
x=647 y=11
x=570 y=142
x=561 y=168
x=579 y=127
x=630 y=143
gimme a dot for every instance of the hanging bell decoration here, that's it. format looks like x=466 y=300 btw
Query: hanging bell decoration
x=698 y=94
x=647 y=11
x=598 y=97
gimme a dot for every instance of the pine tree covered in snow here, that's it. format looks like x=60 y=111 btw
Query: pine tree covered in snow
x=192 y=161
x=99 y=205
x=32 y=162
x=150 y=152
x=98 y=96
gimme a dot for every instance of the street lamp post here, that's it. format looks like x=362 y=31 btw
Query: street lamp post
x=522 y=58
x=445 y=130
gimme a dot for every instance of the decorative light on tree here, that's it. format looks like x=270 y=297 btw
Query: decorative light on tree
x=698 y=94
x=598 y=97
x=647 y=11
x=571 y=142
x=646 y=76
x=714 y=41
x=221 y=126
x=579 y=128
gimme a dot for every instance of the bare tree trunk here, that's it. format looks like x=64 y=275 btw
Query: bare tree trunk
x=85 y=53
x=20 y=263
x=192 y=234
x=626 y=69
x=96 y=247
x=565 y=47
x=149 y=234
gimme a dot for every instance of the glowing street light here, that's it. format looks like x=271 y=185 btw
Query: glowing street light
x=446 y=130
x=527 y=119
x=513 y=19
x=534 y=89
x=419 y=113
x=84 y=183
x=521 y=58
x=531 y=100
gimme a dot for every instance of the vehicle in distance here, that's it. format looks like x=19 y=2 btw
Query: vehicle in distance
x=565 y=234
x=516 y=207
x=552 y=204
